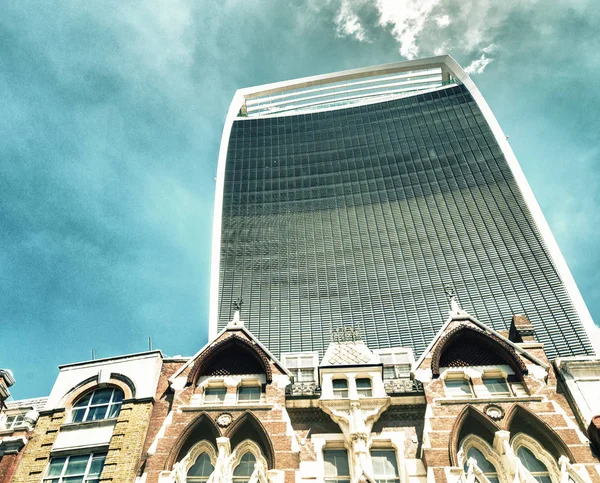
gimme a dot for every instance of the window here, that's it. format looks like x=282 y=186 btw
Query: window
x=98 y=404
x=340 y=388
x=497 y=386
x=537 y=469
x=396 y=365
x=14 y=421
x=486 y=467
x=200 y=470
x=385 y=466
x=363 y=387
x=458 y=388
x=302 y=366
x=75 y=469
x=337 y=469
x=249 y=394
x=243 y=471
x=214 y=395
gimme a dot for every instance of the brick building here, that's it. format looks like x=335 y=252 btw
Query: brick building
x=478 y=405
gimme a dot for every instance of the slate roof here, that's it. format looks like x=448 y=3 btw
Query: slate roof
x=348 y=354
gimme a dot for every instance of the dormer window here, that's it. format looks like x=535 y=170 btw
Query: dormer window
x=249 y=394
x=96 y=405
x=302 y=366
x=363 y=387
x=496 y=386
x=340 y=388
x=396 y=363
x=458 y=388
x=214 y=395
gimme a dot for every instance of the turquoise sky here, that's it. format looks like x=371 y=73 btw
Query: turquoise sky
x=111 y=117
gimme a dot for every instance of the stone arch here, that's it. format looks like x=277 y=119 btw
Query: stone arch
x=242 y=358
x=91 y=383
x=467 y=346
x=519 y=419
x=201 y=428
x=248 y=427
x=471 y=421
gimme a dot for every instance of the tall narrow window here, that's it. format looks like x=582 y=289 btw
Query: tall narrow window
x=249 y=394
x=243 y=471
x=496 y=386
x=458 y=388
x=385 y=466
x=340 y=388
x=200 y=470
x=363 y=387
x=75 y=469
x=487 y=468
x=99 y=404
x=214 y=395
x=537 y=469
x=337 y=469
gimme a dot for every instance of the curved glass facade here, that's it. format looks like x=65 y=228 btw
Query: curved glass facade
x=365 y=213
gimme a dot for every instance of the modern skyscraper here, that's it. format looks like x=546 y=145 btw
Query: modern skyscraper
x=359 y=195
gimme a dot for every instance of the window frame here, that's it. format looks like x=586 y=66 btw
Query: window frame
x=396 y=354
x=385 y=479
x=367 y=390
x=495 y=375
x=524 y=440
x=18 y=420
x=249 y=386
x=297 y=371
x=338 y=478
x=339 y=393
x=474 y=441
x=207 y=389
x=88 y=406
x=86 y=478
x=458 y=376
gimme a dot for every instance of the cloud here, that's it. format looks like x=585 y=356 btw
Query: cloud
x=443 y=21
x=348 y=24
x=478 y=65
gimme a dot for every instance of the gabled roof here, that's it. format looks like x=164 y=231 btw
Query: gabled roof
x=460 y=315
x=235 y=326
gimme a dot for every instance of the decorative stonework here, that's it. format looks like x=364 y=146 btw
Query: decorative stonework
x=224 y=420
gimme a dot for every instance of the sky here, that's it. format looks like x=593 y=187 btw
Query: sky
x=111 y=116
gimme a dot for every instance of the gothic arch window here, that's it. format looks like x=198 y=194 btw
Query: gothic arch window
x=488 y=461
x=200 y=462
x=246 y=458
x=101 y=403
x=536 y=459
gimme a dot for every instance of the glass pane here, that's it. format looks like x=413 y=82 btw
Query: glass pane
x=386 y=358
x=96 y=413
x=202 y=466
x=215 y=394
x=117 y=396
x=114 y=410
x=73 y=479
x=83 y=401
x=56 y=466
x=482 y=462
x=78 y=415
x=530 y=461
x=336 y=463
x=389 y=372
x=97 y=465
x=306 y=362
x=496 y=385
x=384 y=464
x=77 y=465
x=101 y=396
x=458 y=387
x=246 y=466
x=363 y=383
x=249 y=394
x=340 y=384
x=291 y=362
x=306 y=375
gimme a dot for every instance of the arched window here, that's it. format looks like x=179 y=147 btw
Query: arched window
x=537 y=469
x=99 y=404
x=200 y=470
x=488 y=461
x=486 y=467
x=243 y=471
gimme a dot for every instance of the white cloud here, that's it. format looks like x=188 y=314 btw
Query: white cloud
x=478 y=65
x=443 y=21
x=347 y=23
x=407 y=19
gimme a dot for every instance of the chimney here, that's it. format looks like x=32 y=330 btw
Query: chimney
x=521 y=329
